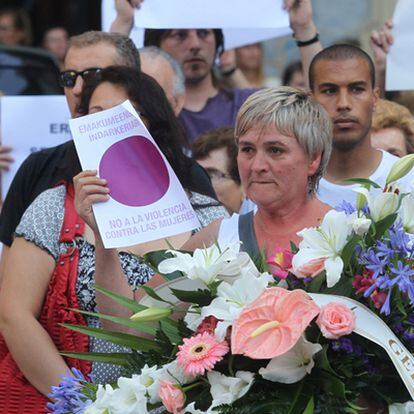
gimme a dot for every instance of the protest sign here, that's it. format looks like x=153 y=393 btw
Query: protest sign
x=242 y=21
x=147 y=202
x=400 y=59
x=29 y=124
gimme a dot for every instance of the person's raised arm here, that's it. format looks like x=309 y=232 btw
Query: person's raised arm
x=90 y=189
x=25 y=282
x=124 y=19
x=305 y=32
x=381 y=41
x=231 y=74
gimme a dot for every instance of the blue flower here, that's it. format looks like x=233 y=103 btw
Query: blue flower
x=403 y=279
x=347 y=207
x=399 y=238
x=68 y=396
x=374 y=262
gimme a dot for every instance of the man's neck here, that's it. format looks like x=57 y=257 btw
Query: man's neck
x=197 y=94
x=360 y=162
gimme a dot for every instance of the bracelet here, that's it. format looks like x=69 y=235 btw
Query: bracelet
x=303 y=43
x=229 y=72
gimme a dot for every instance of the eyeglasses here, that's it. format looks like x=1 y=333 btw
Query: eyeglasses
x=68 y=77
x=217 y=175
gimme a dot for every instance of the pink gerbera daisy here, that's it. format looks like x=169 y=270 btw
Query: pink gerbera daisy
x=200 y=353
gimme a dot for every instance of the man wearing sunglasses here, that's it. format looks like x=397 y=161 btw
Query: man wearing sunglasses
x=87 y=54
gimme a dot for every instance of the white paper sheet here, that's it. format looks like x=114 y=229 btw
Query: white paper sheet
x=30 y=123
x=147 y=200
x=400 y=59
x=245 y=26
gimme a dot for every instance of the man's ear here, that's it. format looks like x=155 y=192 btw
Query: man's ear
x=376 y=93
x=178 y=104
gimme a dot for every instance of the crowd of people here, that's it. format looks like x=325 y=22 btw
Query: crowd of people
x=258 y=164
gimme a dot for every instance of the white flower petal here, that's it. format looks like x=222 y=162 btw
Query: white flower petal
x=333 y=267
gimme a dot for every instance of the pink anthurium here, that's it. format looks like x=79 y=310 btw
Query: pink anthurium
x=273 y=323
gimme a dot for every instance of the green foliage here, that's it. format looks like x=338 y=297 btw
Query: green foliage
x=201 y=297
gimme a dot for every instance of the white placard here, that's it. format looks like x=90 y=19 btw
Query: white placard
x=30 y=123
x=147 y=201
x=238 y=31
x=400 y=59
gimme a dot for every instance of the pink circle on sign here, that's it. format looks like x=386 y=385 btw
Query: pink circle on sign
x=135 y=171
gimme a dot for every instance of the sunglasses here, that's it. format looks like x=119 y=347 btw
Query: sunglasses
x=68 y=78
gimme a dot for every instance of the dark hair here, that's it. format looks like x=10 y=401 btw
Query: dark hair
x=154 y=37
x=144 y=91
x=340 y=52
x=290 y=70
x=21 y=21
x=216 y=139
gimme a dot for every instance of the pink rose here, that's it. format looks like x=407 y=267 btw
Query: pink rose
x=336 y=320
x=172 y=397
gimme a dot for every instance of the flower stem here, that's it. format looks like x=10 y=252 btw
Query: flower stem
x=190 y=387
x=230 y=366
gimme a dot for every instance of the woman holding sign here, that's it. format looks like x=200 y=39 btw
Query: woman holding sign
x=52 y=260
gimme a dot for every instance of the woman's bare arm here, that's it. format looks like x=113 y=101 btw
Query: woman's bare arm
x=25 y=282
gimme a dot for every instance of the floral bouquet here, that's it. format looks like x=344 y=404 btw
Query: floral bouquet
x=331 y=329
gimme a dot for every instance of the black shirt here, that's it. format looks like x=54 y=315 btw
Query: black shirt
x=45 y=169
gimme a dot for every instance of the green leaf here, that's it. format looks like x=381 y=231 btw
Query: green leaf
x=316 y=284
x=301 y=399
x=129 y=341
x=293 y=248
x=139 y=326
x=384 y=224
x=151 y=293
x=362 y=181
x=153 y=259
x=122 y=300
x=310 y=407
x=200 y=297
x=331 y=384
x=349 y=250
x=107 y=358
x=342 y=288
x=171 y=331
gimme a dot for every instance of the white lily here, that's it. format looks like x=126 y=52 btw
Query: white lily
x=321 y=248
x=226 y=390
x=292 y=366
x=103 y=403
x=380 y=205
x=360 y=223
x=403 y=408
x=400 y=168
x=149 y=378
x=406 y=213
x=232 y=298
x=207 y=264
x=130 y=396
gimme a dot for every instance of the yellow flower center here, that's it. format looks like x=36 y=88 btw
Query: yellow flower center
x=263 y=328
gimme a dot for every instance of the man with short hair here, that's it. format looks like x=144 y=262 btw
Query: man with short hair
x=207 y=106
x=87 y=54
x=167 y=72
x=342 y=80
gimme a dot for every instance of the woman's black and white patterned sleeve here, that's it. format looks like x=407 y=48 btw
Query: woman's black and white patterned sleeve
x=207 y=209
x=42 y=221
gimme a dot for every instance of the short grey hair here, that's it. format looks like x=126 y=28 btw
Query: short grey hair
x=154 y=53
x=294 y=113
x=126 y=50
